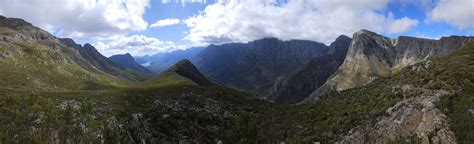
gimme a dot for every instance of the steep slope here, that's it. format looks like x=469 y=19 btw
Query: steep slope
x=90 y=54
x=371 y=56
x=33 y=59
x=162 y=61
x=127 y=61
x=250 y=66
x=440 y=110
x=297 y=85
x=428 y=102
x=184 y=70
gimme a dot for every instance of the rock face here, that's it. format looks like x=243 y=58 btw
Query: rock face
x=25 y=28
x=297 y=85
x=127 y=61
x=372 y=55
x=415 y=117
x=257 y=64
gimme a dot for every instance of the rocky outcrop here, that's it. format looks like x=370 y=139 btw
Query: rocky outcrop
x=257 y=64
x=297 y=85
x=127 y=61
x=414 y=119
x=371 y=56
x=25 y=28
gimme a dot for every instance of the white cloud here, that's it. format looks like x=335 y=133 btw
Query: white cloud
x=318 y=20
x=401 y=25
x=183 y=2
x=165 y=22
x=80 y=18
x=459 y=13
x=137 y=45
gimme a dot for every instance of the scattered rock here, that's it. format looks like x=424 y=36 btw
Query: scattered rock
x=416 y=116
x=76 y=105
x=139 y=130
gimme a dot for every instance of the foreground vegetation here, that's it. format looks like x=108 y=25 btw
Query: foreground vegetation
x=87 y=116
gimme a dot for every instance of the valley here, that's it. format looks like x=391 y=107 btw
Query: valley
x=364 y=89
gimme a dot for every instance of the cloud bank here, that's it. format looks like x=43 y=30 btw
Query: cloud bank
x=459 y=13
x=317 y=20
x=137 y=45
x=80 y=19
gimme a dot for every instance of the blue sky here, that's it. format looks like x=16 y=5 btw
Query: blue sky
x=146 y=27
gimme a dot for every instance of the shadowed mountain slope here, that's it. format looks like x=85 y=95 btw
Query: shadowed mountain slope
x=127 y=61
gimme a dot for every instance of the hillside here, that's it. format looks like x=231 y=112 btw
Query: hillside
x=430 y=101
x=56 y=91
x=184 y=70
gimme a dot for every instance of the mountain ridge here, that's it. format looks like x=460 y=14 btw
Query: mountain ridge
x=295 y=86
x=127 y=61
x=250 y=66
x=372 y=55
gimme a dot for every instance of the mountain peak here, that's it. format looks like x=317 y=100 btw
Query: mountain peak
x=187 y=69
x=340 y=46
x=365 y=31
x=184 y=63
x=342 y=37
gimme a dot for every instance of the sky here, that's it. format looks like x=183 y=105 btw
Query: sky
x=147 y=27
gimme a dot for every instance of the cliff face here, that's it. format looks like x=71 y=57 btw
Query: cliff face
x=371 y=56
x=297 y=85
x=251 y=66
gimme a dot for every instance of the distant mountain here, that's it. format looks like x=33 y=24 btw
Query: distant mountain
x=127 y=61
x=371 y=56
x=297 y=85
x=90 y=54
x=162 y=61
x=184 y=69
x=257 y=64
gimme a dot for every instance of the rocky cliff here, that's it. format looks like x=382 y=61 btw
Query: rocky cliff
x=371 y=56
x=257 y=64
x=297 y=85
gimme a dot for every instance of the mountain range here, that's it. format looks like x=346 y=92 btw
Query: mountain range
x=127 y=61
x=162 y=61
x=364 y=89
